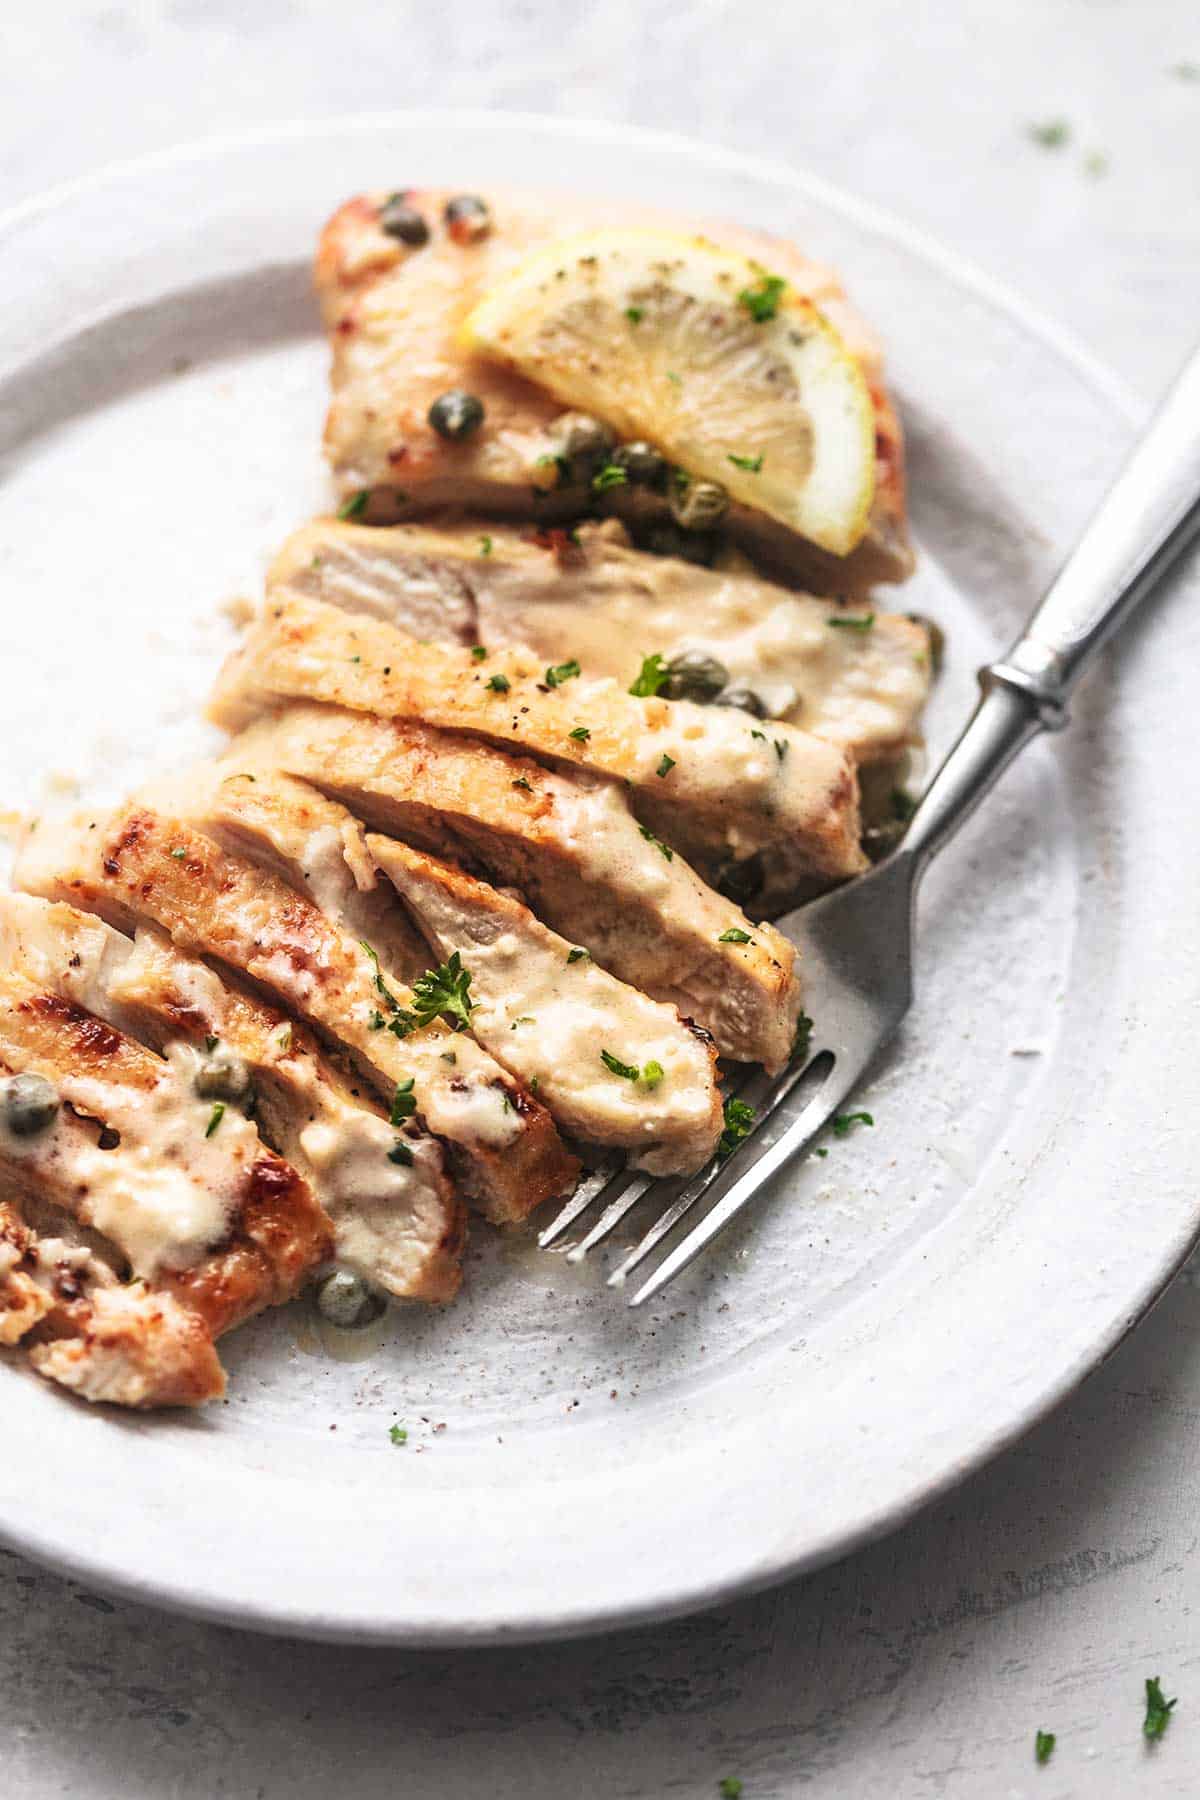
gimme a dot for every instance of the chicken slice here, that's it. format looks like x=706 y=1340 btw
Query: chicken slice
x=393 y=309
x=709 y=782
x=137 y=864
x=129 y=1344
x=395 y=1217
x=597 y=599
x=613 y=1066
x=571 y=845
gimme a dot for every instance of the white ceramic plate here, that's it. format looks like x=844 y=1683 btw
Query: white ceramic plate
x=896 y=1312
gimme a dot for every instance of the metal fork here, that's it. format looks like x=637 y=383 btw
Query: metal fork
x=856 y=943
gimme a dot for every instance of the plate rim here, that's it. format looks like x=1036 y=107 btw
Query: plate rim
x=703 y=1592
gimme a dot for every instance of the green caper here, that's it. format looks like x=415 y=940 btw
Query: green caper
x=697 y=505
x=456 y=414
x=28 y=1104
x=742 y=881
x=666 y=539
x=468 y=218
x=402 y=221
x=693 y=675
x=346 y=1300
x=745 y=699
x=642 y=463
x=223 y=1076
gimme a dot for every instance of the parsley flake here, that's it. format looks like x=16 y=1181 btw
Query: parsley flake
x=283 y=1037
x=355 y=505
x=215 y=1117
x=1043 y=1746
x=398 y=1434
x=612 y=475
x=521 y=782
x=735 y=935
x=652 y=1073
x=560 y=672
x=438 y=993
x=400 y=1153
x=1049 y=134
x=628 y=1071
x=851 y=621
x=651 y=677
x=844 y=1123
x=404 y=1103
x=664 y=849
x=210 y=1044
x=751 y=463
x=738 y=1119
x=498 y=684
x=485 y=545
x=781 y=748
x=478 y=653
x=762 y=300
x=1158 y=1710
x=574 y=956
x=665 y=766
x=377 y=1020
x=730 y=1788
x=580 y=733
x=178 y=854
x=393 y=1005
x=635 y=314
x=802 y=1042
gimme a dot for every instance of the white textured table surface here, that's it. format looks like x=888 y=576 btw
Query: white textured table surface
x=1049 y=1586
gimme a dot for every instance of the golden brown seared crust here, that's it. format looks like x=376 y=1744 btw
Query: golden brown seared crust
x=730 y=791
x=214 y=904
x=393 y=312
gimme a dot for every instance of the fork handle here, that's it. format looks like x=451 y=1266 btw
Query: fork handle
x=1147 y=519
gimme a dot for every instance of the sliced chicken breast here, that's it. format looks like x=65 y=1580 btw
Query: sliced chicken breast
x=137 y=865
x=124 y=1343
x=394 y=1213
x=712 y=783
x=394 y=304
x=594 y=597
x=572 y=847
x=613 y=1066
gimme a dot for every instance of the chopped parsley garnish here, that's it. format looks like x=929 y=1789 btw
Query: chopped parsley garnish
x=844 y=1123
x=820 y=1150
x=1186 y=71
x=730 y=1788
x=210 y=1044
x=1158 y=1710
x=674 y=379
x=752 y=463
x=178 y=854
x=521 y=782
x=651 y=677
x=760 y=735
x=781 y=748
x=762 y=300
x=357 y=659
x=400 y=1153
x=449 y=1056
x=377 y=1020
x=580 y=733
x=525 y=1019
x=215 y=1117
x=355 y=506
x=851 y=621
x=478 y=653
x=560 y=672
x=629 y=1071
x=574 y=956
x=802 y=1042
x=635 y=314
x=903 y=805
x=738 y=1119
x=283 y=1037
x=652 y=1073
x=666 y=764
x=440 y=991
x=664 y=849
x=1050 y=134
x=1043 y=1746
x=398 y=1434
x=404 y=1103
x=485 y=545
x=735 y=935
x=393 y=1005
x=612 y=475
x=498 y=684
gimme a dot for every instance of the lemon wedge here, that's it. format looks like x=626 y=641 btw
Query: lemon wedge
x=706 y=354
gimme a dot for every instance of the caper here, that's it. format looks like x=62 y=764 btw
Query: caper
x=697 y=505
x=666 y=539
x=29 y=1103
x=694 y=676
x=584 y=443
x=346 y=1300
x=642 y=463
x=741 y=881
x=400 y=220
x=223 y=1076
x=456 y=414
x=467 y=217
x=745 y=699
